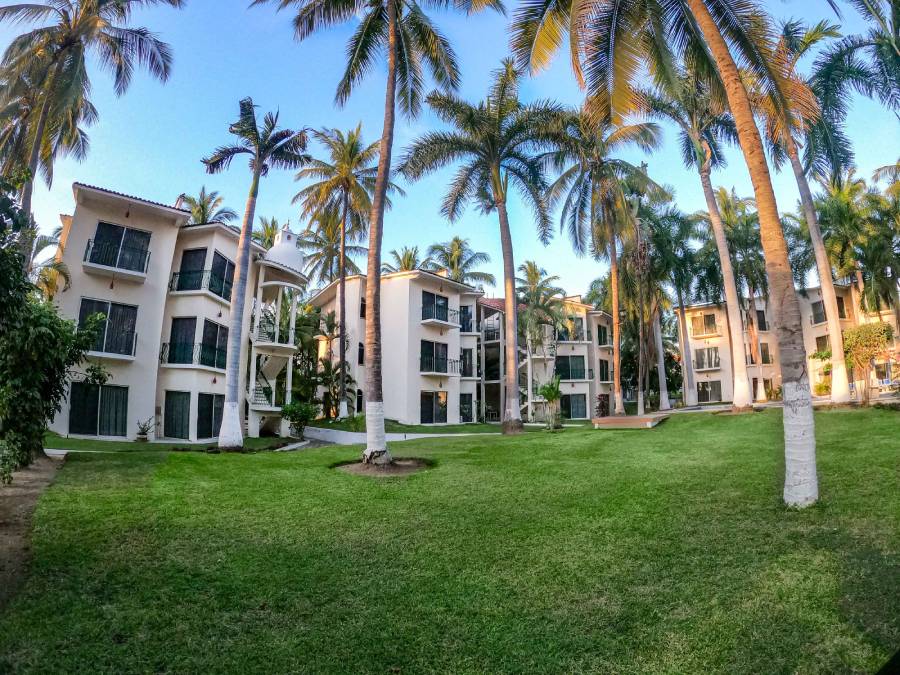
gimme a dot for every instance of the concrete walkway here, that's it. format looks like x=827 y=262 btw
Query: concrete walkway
x=340 y=437
x=59 y=454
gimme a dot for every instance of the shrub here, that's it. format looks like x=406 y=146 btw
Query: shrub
x=862 y=345
x=822 y=388
x=299 y=414
x=357 y=422
x=602 y=408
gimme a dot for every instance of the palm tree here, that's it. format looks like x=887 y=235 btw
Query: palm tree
x=595 y=212
x=78 y=28
x=269 y=148
x=46 y=273
x=322 y=247
x=498 y=141
x=703 y=126
x=457 y=259
x=614 y=46
x=795 y=42
x=344 y=183
x=408 y=38
x=405 y=260
x=540 y=303
x=207 y=207
x=268 y=229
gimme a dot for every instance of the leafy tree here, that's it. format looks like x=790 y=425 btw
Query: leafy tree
x=862 y=345
x=207 y=207
x=499 y=142
x=457 y=259
x=45 y=273
x=268 y=147
x=403 y=33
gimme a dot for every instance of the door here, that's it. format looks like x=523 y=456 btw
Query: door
x=213 y=345
x=176 y=423
x=466 y=409
x=135 y=251
x=181 y=340
x=190 y=274
x=209 y=414
x=107 y=242
x=221 y=276
x=120 y=333
x=83 y=406
x=88 y=308
x=113 y=411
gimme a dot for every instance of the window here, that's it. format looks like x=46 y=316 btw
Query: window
x=573 y=406
x=433 y=407
x=604 y=371
x=465 y=319
x=433 y=357
x=883 y=372
x=818 y=312
x=209 y=414
x=466 y=408
x=176 y=423
x=117 y=334
x=704 y=324
x=98 y=410
x=706 y=358
x=842 y=310
x=121 y=247
x=190 y=274
x=181 y=340
x=214 y=347
x=362 y=307
x=360 y=354
x=709 y=392
x=823 y=344
x=570 y=367
x=221 y=276
x=764 y=352
x=602 y=335
x=359 y=401
x=435 y=306
x=467 y=363
x=572 y=330
x=761 y=322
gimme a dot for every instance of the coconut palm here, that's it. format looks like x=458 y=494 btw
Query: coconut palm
x=457 y=260
x=540 y=303
x=268 y=229
x=47 y=274
x=595 y=212
x=268 y=148
x=405 y=260
x=321 y=244
x=207 y=207
x=498 y=142
x=610 y=48
x=401 y=31
x=343 y=183
x=78 y=28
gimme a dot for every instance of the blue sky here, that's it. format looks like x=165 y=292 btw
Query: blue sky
x=150 y=141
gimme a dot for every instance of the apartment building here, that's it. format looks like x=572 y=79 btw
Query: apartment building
x=707 y=344
x=165 y=289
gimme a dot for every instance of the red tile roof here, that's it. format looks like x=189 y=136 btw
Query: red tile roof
x=126 y=196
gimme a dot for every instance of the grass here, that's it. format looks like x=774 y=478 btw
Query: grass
x=617 y=551
x=57 y=442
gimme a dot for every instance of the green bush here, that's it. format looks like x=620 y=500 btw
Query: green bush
x=357 y=422
x=299 y=414
x=822 y=388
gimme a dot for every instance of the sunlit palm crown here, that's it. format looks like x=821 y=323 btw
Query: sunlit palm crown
x=321 y=244
x=407 y=259
x=207 y=207
x=458 y=260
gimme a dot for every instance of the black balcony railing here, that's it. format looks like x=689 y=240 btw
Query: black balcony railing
x=198 y=280
x=438 y=364
x=571 y=374
x=440 y=313
x=467 y=324
x=193 y=354
x=113 y=340
x=491 y=334
x=113 y=254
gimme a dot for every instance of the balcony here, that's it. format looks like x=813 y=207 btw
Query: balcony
x=705 y=367
x=187 y=354
x=468 y=325
x=436 y=365
x=817 y=319
x=573 y=374
x=271 y=337
x=491 y=334
x=263 y=398
x=707 y=331
x=116 y=260
x=114 y=344
x=606 y=377
x=201 y=280
x=437 y=315
x=577 y=335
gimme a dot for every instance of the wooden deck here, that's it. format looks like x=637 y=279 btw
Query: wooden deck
x=628 y=422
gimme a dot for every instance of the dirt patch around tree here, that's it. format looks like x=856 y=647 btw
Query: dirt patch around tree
x=401 y=466
x=17 y=503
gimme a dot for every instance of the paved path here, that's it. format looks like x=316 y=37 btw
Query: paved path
x=340 y=437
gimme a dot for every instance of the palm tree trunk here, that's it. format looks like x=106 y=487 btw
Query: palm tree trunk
x=641 y=352
x=689 y=391
x=664 y=403
x=342 y=295
x=35 y=152
x=840 y=384
x=618 y=403
x=530 y=377
x=512 y=416
x=741 y=398
x=376 y=451
x=800 y=480
x=231 y=434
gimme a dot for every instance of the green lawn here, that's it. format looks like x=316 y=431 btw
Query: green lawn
x=57 y=442
x=637 y=551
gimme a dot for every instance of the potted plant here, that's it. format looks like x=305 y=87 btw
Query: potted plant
x=144 y=428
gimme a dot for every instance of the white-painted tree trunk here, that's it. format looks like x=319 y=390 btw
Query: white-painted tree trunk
x=376 y=451
x=664 y=403
x=801 y=483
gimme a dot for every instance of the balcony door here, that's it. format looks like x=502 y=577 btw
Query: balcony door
x=190 y=274
x=209 y=414
x=181 y=340
x=116 y=335
x=433 y=406
x=221 y=276
x=122 y=247
x=214 y=345
x=98 y=410
x=176 y=423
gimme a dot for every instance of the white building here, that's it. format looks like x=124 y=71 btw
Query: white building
x=165 y=288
